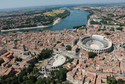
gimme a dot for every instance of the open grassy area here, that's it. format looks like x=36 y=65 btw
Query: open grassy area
x=54 y=12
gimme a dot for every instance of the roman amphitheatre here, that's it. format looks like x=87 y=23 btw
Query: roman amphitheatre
x=95 y=43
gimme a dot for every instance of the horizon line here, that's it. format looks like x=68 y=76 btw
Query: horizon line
x=62 y=5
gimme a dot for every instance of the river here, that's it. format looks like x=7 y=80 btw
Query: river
x=76 y=18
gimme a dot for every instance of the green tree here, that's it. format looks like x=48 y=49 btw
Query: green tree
x=9 y=65
x=14 y=80
x=61 y=74
x=120 y=81
x=21 y=75
x=92 y=54
x=67 y=83
x=104 y=22
x=93 y=22
x=112 y=29
x=29 y=82
x=33 y=78
x=25 y=78
x=107 y=33
x=40 y=81
x=45 y=54
x=29 y=69
x=58 y=42
x=111 y=80
x=1 y=61
x=68 y=47
x=120 y=28
x=35 y=70
x=18 y=59
x=8 y=80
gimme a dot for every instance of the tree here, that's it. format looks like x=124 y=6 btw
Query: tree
x=61 y=74
x=45 y=54
x=104 y=22
x=112 y=29
x=40 y=81
x=1 y=61
x=14 y=80
x=67 y=83
x=25 y=78
x=9 y=65
x=111 y=15
x=35 y=70
x=107 y=33
x=8 y=80
x=101 y=29
x=33 y=78
x=29 y=82
x=92 y=54
x=120 y=81
x=18 y=59
x=111 y=80
x=120 y=28
x=29 y=69
x=58 y=42
x=94 y=22
x=68 y=47
x=21 y=75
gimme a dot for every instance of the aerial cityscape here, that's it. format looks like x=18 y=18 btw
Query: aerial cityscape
x=62 y=43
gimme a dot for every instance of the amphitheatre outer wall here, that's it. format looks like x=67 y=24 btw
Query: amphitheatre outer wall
x=95 y=43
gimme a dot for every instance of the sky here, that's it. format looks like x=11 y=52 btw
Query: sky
x=28 y=3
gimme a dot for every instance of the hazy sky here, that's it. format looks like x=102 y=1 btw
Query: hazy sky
x=26 y=3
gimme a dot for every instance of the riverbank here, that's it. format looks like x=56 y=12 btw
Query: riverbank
x=27 y=28
x=56 y=21
x=88 y=17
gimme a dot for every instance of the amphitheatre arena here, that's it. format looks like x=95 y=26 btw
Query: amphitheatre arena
x=95 y=43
